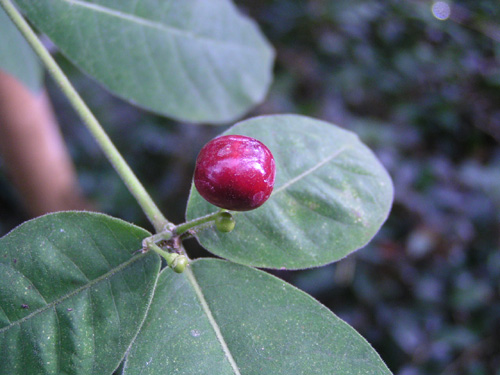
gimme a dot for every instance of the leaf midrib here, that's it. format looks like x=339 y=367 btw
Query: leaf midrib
x=103 y=277
x=152 y=24
x=211 y=319
x=312 y=169
x=301 y=175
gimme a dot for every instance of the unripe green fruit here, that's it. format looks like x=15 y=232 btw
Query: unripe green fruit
x=179 y=264
x=225 y=222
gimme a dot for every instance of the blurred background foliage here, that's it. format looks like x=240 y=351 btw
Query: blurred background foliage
x=420 y=83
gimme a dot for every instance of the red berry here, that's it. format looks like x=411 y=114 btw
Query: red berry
x=235 y=172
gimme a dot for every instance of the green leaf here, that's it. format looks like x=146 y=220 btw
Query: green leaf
x=73 y=294
x=330 y=197
x=16 y=56
x=193 y=60
x=223 y=318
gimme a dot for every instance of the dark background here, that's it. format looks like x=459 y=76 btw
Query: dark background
x=423 y=93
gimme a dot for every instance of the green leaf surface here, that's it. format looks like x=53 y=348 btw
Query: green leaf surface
x=193 y=60
x=16 y=56
x=223 y=318
x=72 y=294
x=330 y=197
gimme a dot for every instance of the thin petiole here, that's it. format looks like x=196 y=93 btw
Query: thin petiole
x=183 y=228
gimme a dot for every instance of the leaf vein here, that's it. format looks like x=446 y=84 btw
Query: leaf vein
x=87 y=286
x=300 y=202
x=312 y=169
x=119 y=241
x=116 y=311
x=272 y=239
x=188 y=76
x=211 y=319
x=1 y=308
x=93 y=329
x=152 y=24
x=31 y=283
x=59 y=251
x=59 y=346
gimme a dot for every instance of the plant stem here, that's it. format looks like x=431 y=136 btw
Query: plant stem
x=161 y=236
x=178 y=262
x=183 y=228
x=120 y=165
x=169 y=257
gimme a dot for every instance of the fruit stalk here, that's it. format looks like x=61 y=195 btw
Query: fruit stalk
x=178 y=262
x=183 y=228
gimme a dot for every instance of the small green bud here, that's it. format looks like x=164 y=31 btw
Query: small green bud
x=179 y=264
x=225 y=222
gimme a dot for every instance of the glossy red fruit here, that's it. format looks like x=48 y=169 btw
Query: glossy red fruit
x=235 y=172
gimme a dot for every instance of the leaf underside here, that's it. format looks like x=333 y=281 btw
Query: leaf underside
x=73 y=294
x=331 y=196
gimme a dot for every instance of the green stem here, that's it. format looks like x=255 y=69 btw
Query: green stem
x=122 y=168
x=183 y=228
x=161 y=236
x=178 y=262
x=169 y=257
